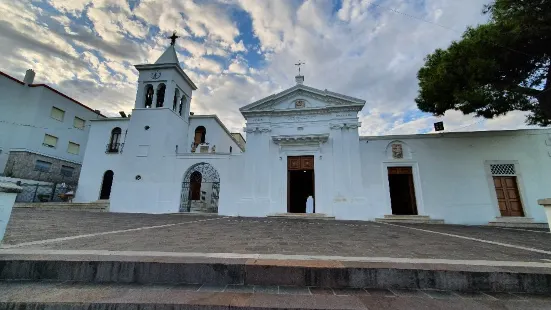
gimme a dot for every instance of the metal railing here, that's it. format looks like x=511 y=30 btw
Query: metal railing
x=112 y=148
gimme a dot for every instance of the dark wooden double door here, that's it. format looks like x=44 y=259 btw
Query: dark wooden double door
x=300 y=182
x=508 y=197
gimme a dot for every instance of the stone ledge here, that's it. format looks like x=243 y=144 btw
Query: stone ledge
x=7 y=187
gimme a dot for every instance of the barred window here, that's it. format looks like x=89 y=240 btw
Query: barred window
x=67 y=171
x=503 y=169
x=42 y=166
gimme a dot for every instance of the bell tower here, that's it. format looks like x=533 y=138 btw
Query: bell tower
x=159 y=123
x=164 y=84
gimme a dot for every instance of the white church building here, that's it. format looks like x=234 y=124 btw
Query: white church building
x=304 y=142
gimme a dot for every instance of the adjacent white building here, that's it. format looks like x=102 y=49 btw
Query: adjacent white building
x=43 y=132
x=304 y=142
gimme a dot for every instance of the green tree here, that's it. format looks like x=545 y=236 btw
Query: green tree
x=497 y=67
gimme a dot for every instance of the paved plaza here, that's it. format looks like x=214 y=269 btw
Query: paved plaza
x=73 y=230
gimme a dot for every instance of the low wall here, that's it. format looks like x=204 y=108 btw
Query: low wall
x=68 y=206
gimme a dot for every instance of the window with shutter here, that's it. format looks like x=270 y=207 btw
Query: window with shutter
x=79 y=123
x=73 y=148
x=50 y=141
x=57 y=114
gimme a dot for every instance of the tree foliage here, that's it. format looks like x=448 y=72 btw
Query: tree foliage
x=497 y=67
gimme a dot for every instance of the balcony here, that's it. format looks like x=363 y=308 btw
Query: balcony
x=114 y=148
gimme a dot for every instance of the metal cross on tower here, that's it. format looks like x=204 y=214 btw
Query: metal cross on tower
x=173 y=38
x=298 y=65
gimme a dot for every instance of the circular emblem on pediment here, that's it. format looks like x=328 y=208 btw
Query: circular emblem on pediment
x=155 y=75
x=300 y=104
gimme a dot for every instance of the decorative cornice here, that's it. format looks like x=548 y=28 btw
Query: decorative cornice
x=257 y=129
x=337 y=126
x=315 y=138
x=303 y=111
x=303 y=91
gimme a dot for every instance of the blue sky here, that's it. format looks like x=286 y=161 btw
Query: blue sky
x=238 y=51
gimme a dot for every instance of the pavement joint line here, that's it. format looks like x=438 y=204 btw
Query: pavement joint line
x=475 y=239
x=46 y=241
x=137 y=254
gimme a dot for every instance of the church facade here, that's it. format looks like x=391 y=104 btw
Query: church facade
x=304 y=142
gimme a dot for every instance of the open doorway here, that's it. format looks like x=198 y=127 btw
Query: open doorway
x=300 y=183
x=402 y=191
x=106 y=185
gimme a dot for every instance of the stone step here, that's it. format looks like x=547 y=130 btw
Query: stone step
x=527 y=225
x=75 y=296
x=172 y=269
x=413 y=220
x=75 y=206
x=302 y=216
x=393 y=216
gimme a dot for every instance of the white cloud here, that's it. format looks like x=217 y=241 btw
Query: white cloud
x=365 y=49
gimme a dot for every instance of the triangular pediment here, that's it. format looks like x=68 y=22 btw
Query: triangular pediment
x=302 y=98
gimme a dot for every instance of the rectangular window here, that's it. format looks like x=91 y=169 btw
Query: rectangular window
x=67 y=171
x=57 y=114
x=42 y=166
x=50 y=141
x=79 y=123
x=73 y=148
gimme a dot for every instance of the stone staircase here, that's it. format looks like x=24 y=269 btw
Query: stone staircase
x=408 y=219
x=517 y=222
x=112 y=282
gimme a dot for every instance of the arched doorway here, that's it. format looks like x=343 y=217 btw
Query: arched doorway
x=106 y=185
x=200 y=189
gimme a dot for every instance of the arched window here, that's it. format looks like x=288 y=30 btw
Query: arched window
x=115 y=141
x=175 y=100
x=160 y=95
x=195 y=185
x=148 y=96
x=182 y=103
x=200 y=135
x=106 y=185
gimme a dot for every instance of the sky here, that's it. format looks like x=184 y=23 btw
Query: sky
x=239 y=51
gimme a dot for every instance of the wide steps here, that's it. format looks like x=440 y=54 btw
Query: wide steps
x=517 y=222
x=408 y=219
x=76 y=296
x=119 y=269
x=66 y=206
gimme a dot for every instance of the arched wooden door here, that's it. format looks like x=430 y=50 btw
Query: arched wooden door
x=106 y=185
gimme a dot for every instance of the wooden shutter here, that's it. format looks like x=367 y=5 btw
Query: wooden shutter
x=73 y=148
x=50 y=141
x=57 y=114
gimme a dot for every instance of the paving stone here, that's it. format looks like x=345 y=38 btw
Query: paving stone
x=240 y=289
x=186 y=287
x=226 y=235
x=293 y=290
x=441 y=294
x=321 y=291
x=350 y=291
x=212 y=288
x=380 y=292
x=409 y=293
x=504 y=296
x=475 y=295
x=263 y=289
